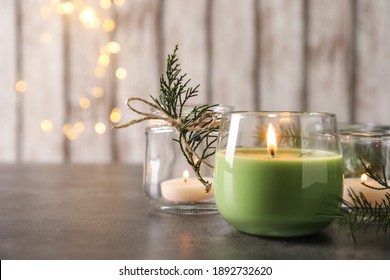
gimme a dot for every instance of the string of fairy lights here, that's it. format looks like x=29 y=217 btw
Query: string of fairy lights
x=88 y=18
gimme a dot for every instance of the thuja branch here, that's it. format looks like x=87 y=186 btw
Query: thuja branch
x=196 y=128
x=382 y=180
x=358 y=212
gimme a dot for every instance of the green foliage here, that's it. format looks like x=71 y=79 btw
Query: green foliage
x=174 y=90
x=360 y=213
x=197 y=127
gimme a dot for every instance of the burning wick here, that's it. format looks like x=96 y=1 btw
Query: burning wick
x=271 y=140
x=186 y=175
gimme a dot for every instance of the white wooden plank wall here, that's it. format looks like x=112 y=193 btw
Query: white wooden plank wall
x=41 y=67
x=84 y=50
x=138 y=24
x=281 y=55
x=8 y=77
x=252 y=54
x=329 y=57
x=233 y=60
x=373 y=61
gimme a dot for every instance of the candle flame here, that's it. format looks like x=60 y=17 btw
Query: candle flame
x=186 y=175
x=364 y=178
x=271 y=140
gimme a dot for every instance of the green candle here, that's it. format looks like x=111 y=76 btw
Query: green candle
x=279 y=195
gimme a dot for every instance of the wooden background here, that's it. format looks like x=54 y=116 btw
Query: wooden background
x=317 y=55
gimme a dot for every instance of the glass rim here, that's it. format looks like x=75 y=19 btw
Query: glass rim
x=280 y=114
x=365 y=131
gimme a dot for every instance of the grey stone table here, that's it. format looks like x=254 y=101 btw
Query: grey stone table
x=100 y=212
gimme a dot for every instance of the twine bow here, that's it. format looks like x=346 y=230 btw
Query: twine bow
x=207 y=121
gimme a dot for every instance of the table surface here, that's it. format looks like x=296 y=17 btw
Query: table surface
x=100 y=212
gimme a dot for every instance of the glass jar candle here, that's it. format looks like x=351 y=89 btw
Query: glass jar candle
x=169 y=181
x=365 y=145
x=277 y=172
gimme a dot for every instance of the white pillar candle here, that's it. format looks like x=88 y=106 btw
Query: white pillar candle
x=185 y=189
x=356 y=185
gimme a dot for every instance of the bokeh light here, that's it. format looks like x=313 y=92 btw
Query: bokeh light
x=113 y=47
x=119 y=2
x=71 y=134
x=121 y=73
x=67 y=7
x=105 y=4
x=46 y=125
x=100 y=128
x=97 y=92
x=104 y=60
x=116 y=115
x=66 y=128
x=21 y=86
x=84 y=103
x=108 y=25
x=88 y=17
x=79 y=127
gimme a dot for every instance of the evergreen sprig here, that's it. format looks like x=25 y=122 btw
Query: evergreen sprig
x=382 y=180
x=174 y=90
x=196 y=125
x=359 y=212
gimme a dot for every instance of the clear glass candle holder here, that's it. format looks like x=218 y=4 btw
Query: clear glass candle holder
x=169 y=181
x=365 y=145
x=277 y=173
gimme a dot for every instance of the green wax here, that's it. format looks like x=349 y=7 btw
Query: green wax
x=277 y=196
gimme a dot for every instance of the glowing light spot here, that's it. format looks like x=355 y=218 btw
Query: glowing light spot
x=45 y=12
x=71 y=134
x=100 y=72
x=97 y=92
x=46 y=125
x=79 y=127
x=45 y=38
x=121 y=73
x=108 y=25
x=84 y=103
x=113 y=47
x=119 y=2
x=66 y=128
x=104 y=60
x=67 y=8
x=21 y=86
x=105 y=4
x=100 y=128
x=116 y=115
x=88 y=17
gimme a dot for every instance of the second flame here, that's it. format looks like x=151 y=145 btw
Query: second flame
x=186 y=175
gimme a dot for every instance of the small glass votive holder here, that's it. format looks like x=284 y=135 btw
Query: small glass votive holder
x=365 y=146
x=169 y=181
